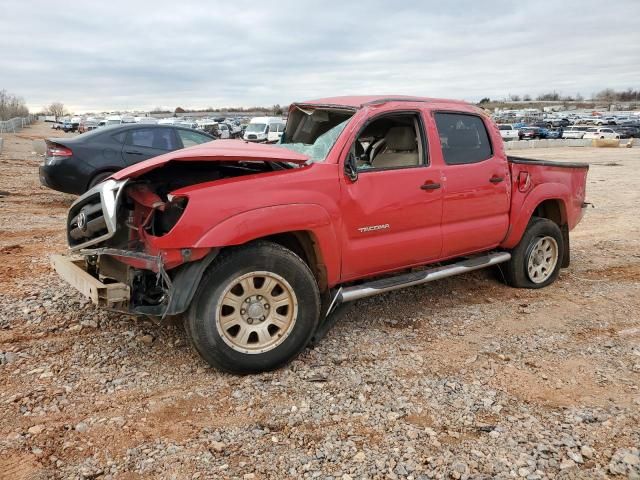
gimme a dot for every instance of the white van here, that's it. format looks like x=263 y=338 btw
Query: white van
x=259 y=128
x=275 y=132
x=113 y=120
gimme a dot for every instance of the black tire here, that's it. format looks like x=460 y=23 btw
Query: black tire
x=515 y=271
x=99 y=178
x=201 y=321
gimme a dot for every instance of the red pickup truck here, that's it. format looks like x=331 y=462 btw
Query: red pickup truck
x=259 y=244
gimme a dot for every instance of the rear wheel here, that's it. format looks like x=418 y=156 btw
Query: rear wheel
x=536 y=260
x=255 y=309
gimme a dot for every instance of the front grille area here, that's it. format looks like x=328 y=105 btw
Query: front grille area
x=86 y=221
x=92 y=218
x=252 y=137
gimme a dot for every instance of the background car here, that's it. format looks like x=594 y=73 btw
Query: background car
x=605 y=121
x=73 y=165
x=601 y=132
x=541 y=124
x=87 y=125
x=217 y=130
x=627 y=132
x=553 y=133
x=559 y=122
x=507 y=132
x=69 y=126
x=531 y=133
x=575 y=131
x=235 y=130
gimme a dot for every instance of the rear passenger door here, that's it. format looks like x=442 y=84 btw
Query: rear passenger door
x=143 y=143
x=476 y=195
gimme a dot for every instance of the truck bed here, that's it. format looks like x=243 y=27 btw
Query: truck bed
x=547 y=163
x=533 y=180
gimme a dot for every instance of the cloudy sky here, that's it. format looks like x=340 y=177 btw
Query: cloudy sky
x=141 y=54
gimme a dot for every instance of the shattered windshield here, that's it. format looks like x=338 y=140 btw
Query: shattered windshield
x=313 y=132
x=319 y=149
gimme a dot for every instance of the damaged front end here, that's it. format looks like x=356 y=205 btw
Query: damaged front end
x=126 y=235
x=112 y=231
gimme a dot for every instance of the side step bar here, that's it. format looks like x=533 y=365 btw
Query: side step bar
x=389 y=284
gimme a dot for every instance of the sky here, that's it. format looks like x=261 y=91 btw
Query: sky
x=143 y=54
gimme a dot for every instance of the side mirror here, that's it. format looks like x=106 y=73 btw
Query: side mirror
x=351 y=167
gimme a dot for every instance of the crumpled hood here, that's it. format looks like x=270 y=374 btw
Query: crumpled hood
x=216 y=151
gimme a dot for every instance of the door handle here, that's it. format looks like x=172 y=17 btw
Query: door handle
x=496 y=179
x=430 y=186
x=134 y=152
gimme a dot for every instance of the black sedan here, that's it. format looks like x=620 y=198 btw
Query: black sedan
x=75 y=164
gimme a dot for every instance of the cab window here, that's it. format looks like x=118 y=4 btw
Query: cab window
x=392 y=141
x=463 y=137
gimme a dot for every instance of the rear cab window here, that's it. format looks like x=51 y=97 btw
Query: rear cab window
x=463 y=137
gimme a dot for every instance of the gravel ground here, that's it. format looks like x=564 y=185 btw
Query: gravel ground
x=464 y=378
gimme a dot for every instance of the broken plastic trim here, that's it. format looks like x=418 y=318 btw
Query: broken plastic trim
x=152 y=260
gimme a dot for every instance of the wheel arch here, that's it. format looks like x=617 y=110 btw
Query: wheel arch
x=305 y=229
x=552 y=208
x=304 y=243
x=555 y=209
x=548 y=200
x=100 y=171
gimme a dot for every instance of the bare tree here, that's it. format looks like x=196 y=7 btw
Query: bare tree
x=56 y=109
x=550 y=96
x=11 y=106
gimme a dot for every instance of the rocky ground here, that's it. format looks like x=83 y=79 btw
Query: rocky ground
x=464 y=378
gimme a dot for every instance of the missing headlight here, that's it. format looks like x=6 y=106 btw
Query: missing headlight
x=165 y=220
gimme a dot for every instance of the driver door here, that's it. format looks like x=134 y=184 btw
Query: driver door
x=392 y=212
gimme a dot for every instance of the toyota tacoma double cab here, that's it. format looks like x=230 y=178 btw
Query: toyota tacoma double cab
x=258 y=245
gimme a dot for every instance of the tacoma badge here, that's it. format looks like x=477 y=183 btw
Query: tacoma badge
x=372 y=228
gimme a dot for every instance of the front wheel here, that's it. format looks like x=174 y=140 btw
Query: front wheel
x=255 y=309
x=536 y=260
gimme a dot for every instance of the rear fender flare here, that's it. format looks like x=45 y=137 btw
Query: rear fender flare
x=547 y=191
x=263 y=222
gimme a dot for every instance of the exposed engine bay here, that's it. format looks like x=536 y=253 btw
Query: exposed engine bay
x=111 y=225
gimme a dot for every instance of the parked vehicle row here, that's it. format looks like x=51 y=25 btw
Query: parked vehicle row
x=512 y=132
